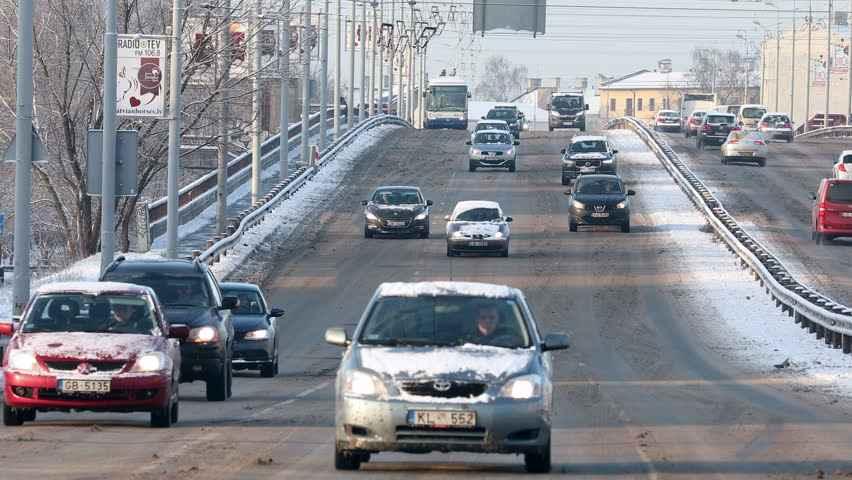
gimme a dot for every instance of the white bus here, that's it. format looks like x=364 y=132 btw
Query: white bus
x=446 y=103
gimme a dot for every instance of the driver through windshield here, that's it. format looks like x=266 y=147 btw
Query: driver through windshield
x=479 y=215
x=74 y=312
x=598 y=186
x=492 y=138
x=397 y=197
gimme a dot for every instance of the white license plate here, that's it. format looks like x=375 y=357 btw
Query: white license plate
x=588 y=169
x=846 y=214
x=599 y=215
x=442 y=419
x=396 y=224
x=84 y=386
x=478 y=244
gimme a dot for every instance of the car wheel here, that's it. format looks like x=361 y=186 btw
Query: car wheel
x=549 y=128
x=572 y=226
x=217 y=385
x=28 y=415
x=505 y=252
x=367 y=232
x=538 y=462
x=762 y=162
x=724 y=161
x=566 y=181
x=425 y=233
x=12 y=417
x=819 y=238
x=471 y=167
x=625 y=227
x=698 y=144
x=230 y=378
x=346 y=460
x=162 y=417
x=512 y=167
x=267 y=370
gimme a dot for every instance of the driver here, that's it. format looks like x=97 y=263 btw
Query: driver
x=125 y=318
x=487 y=320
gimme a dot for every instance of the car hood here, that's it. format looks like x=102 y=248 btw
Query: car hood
x=476 y=228
x=492 y=146
x=249 y=322
x=92 y=346
x=589 y=156
x=403 y=211
x=600 y=199
x=467 y=362
x=190 y=316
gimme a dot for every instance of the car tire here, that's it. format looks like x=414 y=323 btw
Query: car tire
x=217 y=386
x=367 y=232
x=162 y=417
x=12 y=417
x=505 y=252
x=549 y=128
x=724 y=161
x=512 y=167
x=450 y=252
x=625 y=227
x=346 y=460
x=28 y=415
x=538 y=462
x=471 y=167
x=426 y=233
x=572 y=227
x=267 y=370
x=583 y=128
x=566 y=181
x=761 y=162
x=699 y=144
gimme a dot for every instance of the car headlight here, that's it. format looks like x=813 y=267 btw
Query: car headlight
x=607 y=160
x=430 y=115
x=422 y=215
x=22 y=360
x=151 y=362
x=204 y=334
x=363 y=384
x=370 y=216
x=567 y=161
x=622 y=204
x=498 y=236
x=555 y=113
x=475 y=152
x=522 y=388
x=457 y=234
x=257 y=335
x=510 y=152
x=579 y=205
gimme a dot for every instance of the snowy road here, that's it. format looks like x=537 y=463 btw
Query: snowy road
x=670 y=374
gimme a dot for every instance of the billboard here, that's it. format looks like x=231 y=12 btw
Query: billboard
x=517 y=15
x=141 y=60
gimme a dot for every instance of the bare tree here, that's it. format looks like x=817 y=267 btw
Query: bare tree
x=501 y=80
x=723 y=72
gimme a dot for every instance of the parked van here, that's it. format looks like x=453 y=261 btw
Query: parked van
x=749 y=115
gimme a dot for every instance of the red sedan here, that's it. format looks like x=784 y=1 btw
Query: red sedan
x=93 y=346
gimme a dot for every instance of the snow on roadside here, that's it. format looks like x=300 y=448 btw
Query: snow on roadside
x=738 y=321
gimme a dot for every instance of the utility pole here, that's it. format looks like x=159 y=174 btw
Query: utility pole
x=306 y=82
x=777 y=59
x=372 y=95
x=284 y=106
x=23 y=155
x=362 y=110
x=391 y=52
x=338 y=37
x=350 y=102
x=323 y=75
x=808 y=69
x=224 y=135
x=793 y=66
x=381 y=47
x=849 y=74
x=828 y=68
x=255 y=105
x=422 y=89
x=109 y=127
x=401 y=101
x=175 y=110
x=409 y=114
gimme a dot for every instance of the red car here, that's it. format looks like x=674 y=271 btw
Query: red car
x=832 y=212
x=94 y=346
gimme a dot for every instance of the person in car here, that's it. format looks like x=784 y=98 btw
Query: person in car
x=126 y=318
x=487 y=320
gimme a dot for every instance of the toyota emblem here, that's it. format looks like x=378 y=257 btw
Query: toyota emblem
x=441 y=386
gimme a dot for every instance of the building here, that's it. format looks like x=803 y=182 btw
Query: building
x=643 y=93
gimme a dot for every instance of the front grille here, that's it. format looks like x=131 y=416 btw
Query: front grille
x=408 y=433
x=453 y=390
x=70 y=366
x=54 y=394
x=582 y=162
x=477 y=236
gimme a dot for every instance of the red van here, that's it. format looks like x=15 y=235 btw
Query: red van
x=832 y=211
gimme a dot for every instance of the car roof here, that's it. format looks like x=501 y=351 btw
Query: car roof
x=776 y=113
x=93 y=288
x=492 y=130
x=753 y=105
x=466 y=205
x=726 y=114
x=492 y=120
x=157 y=265
x=587 y=138
x=397 y=187
x=698 y=111
x=434 y=289
x=240 y=286
x=594 y=176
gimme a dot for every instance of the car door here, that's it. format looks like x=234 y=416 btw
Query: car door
x=815 y=207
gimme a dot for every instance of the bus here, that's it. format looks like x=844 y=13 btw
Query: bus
x=447 y=103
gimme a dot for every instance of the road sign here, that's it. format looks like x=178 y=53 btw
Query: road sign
x=126 y=143
x=141 y=60
x=39 y=154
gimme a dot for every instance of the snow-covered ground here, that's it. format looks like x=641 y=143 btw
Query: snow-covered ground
x=738 y=321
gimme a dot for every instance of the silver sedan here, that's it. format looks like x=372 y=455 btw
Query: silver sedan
x=448 y=367
x=493 y=149
x=745 y=146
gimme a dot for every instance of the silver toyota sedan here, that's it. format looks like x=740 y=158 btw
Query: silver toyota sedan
x=493 y=149
x=448 y=367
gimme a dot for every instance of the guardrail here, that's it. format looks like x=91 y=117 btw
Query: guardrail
x=195 y=195
x=252 y=216
x=812 y=310
x=837 y=131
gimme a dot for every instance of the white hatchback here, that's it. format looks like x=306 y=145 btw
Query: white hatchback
x=843 y=166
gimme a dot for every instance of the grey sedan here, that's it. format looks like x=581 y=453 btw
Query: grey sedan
x=444 y=366
x=493 y=149
x=745 y=146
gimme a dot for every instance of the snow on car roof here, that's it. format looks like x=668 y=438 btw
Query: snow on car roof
x=92 y=288
x=433 y=289
x=587 y=138
x=466 y=205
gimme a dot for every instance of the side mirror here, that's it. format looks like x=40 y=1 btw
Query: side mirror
x=468 y=142
x=813 y=196
x=337 y=336
x=482 y=118
x=276 y=312
x=614 y=152
x=447 y=218
x=555 y=341
x=229 y=303
x=429 y=203
x=7 y=329
x=469 y=95
x=364 y=202
x=586 y=106
x=179 y=331
x=509 y=219
x=516 y=142
x=562 y=151
x=631 y=192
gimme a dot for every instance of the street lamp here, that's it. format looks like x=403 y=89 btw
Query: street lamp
x=741 y=34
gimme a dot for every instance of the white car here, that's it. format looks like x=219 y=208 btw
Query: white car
x=776 y=125
x=745 y=146
x=667 y=120
x=478 y=227
x=843 y=167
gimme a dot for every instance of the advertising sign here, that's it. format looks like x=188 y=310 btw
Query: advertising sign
x=141 y=61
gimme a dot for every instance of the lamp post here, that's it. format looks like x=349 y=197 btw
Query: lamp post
x=828 y=67
x=741 y=34
x=808 y=69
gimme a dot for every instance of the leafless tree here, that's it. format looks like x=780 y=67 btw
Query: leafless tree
x=501 y=80
x=723 y=72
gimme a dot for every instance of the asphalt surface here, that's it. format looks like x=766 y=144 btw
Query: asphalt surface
x=774 y=204
x=639 y=394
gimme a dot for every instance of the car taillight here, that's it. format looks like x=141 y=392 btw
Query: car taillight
x=736 y=128
x=842 y=167
x=764 y=125
x=759 y=142
x=733 y=140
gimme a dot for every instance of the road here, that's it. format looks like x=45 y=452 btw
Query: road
x=646 y=391
x=774 y=204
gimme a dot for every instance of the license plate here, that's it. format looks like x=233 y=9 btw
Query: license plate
x=84 y=386
x=588 y=169
x=478 y=244
x=396 y=224
x=846 y=214
x=599 y=215
x=442 y=419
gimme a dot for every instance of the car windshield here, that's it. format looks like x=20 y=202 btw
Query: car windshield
x=446 y=321
x=490 y=126
x=479 y=215
x=847 y=159
x=172 y=290
x=567 y=101
x=840 y=193
x=720 y=119
x=76 y=312
x=397 y=197
x=588 y=146
x=698 y=114
x=249 y=301
x=502 y=114
x=492 y=137
x=598 y=186
x=753 y=112
x=447 y=98
x=776 y=119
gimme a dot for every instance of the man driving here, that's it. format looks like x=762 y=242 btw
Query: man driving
x=487 y=320
x=125 y=318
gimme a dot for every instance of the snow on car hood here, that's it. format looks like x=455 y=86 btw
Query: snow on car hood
x=590 y=156
x=477 y=228
x=93 y=346
x=468 y=361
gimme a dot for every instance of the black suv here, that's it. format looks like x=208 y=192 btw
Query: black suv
x=192 y=297
x=714 y=129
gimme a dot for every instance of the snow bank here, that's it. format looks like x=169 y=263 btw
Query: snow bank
x=478 y=361
x=738 y=320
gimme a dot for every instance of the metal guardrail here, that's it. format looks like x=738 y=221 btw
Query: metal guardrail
x=218 y=247
x=837 y=131
x=812 y=310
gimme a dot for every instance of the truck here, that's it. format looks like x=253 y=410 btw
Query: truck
x=692 y=102
x=566 y=110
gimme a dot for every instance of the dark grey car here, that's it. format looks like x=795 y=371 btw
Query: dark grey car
x=448 y=367
x=255 y=329
x=396 y=210
x=599 y=200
